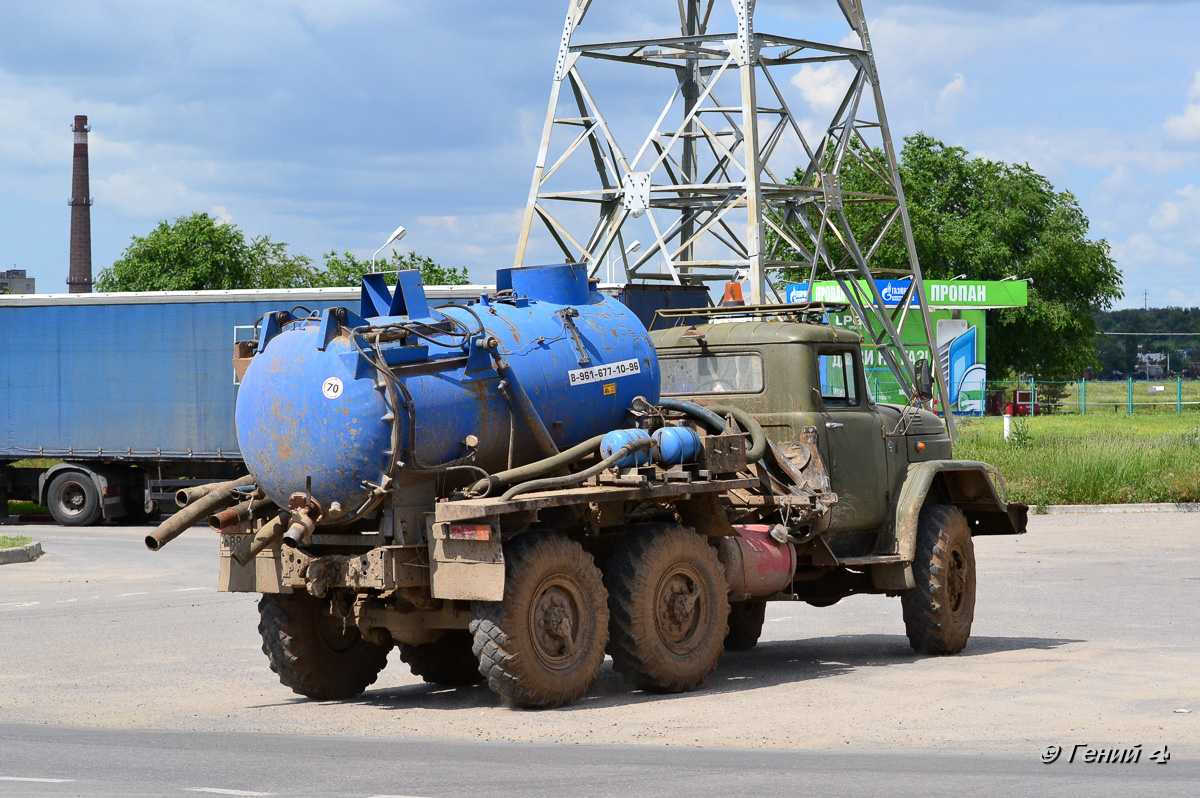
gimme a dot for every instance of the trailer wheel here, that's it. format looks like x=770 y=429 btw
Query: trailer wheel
x=73 y=499
x=314 y=652
x=447 y=661
x=543 y=644
x=668 y=607
x=939 y=610
x=745 y=624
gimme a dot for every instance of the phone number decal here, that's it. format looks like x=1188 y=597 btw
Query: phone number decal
x=606 y=372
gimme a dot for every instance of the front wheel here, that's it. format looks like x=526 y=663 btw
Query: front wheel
x=543 y=644
x=669 y=607
x=938 y=612
x=73 y=499
x=314 y=652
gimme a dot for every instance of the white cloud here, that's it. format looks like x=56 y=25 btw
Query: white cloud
x=1181 y=213
x=146 y=193
x=823 y=86
x=953 y=97
x=1186 y=126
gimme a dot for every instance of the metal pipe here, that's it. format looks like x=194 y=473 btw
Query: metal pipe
x=266 y=536
x=710 y=416
x=240 y=513
x=574 y=479
x=170 y=529
x=300 y=530
x=538 y=469
x=524 y=405
x=186 y=496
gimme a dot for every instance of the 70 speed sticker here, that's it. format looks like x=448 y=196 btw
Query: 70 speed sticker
x=606 y=372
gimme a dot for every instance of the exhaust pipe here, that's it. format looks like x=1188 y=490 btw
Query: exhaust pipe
x=186 y=496
x=173 y=527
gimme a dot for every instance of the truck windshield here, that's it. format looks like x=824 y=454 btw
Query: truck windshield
x=741 y=373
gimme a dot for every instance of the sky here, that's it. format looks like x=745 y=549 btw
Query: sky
x=325 y=125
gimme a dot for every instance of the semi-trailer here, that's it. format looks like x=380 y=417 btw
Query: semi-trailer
x=110 y=402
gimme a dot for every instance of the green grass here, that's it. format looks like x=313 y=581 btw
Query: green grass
x=26 y=508
x=1092 y=459
x=7 y=542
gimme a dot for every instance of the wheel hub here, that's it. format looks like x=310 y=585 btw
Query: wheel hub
x=72 y=498
x=956 y=581
x=679 y=612
x=555 y=622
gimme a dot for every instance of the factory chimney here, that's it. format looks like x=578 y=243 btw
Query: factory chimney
x=79 y=278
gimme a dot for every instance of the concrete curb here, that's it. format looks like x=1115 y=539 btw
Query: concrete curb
x=1161 y=507
x=27 y=553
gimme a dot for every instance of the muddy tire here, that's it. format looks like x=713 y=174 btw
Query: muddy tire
x=939 y=610
x=447 y=661
x=543 y=644
x=73 y=499
x=745 y=624
x=312 y=652
x=668 y=604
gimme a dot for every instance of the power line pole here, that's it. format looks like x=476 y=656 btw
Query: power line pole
x=700 y=185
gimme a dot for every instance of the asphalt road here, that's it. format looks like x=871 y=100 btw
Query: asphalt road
x=125 y=673
x=107 y=763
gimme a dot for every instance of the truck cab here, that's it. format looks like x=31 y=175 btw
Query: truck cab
x=885 y=462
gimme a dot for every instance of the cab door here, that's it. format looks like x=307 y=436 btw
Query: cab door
x=854 y=441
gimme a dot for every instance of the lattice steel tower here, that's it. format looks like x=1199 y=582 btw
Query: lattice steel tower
x=706 y=187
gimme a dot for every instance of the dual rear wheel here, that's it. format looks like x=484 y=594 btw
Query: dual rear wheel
x=659 y=609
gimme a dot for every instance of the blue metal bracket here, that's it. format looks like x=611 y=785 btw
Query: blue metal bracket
x=480 y=365
x=408 y=299
x=272 y=325
x=392 y=355
x=376 y=298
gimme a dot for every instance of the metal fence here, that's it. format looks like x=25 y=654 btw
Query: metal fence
x=1044 y=397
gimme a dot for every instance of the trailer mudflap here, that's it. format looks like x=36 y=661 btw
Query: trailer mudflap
x=263 y=574
x=466 y=560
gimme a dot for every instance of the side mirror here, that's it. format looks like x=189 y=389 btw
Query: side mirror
x=924 y=380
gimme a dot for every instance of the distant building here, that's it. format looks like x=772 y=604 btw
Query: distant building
x=14 y=281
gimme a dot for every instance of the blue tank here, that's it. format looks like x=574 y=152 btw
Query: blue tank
x=545 y=360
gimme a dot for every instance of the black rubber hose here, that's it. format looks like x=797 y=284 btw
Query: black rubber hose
x=712 y=417
x=535 y=470
x=574 y=479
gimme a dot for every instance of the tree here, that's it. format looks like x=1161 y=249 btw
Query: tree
x=989 y=220
x=345 y=269
x=198 y=252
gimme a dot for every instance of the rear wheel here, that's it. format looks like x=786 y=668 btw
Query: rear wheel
x=314 y=652
x=542 y=645
x=668 y=605
x=745 y=624
x=447 y=661
x=73 y=499
x=938 y=612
